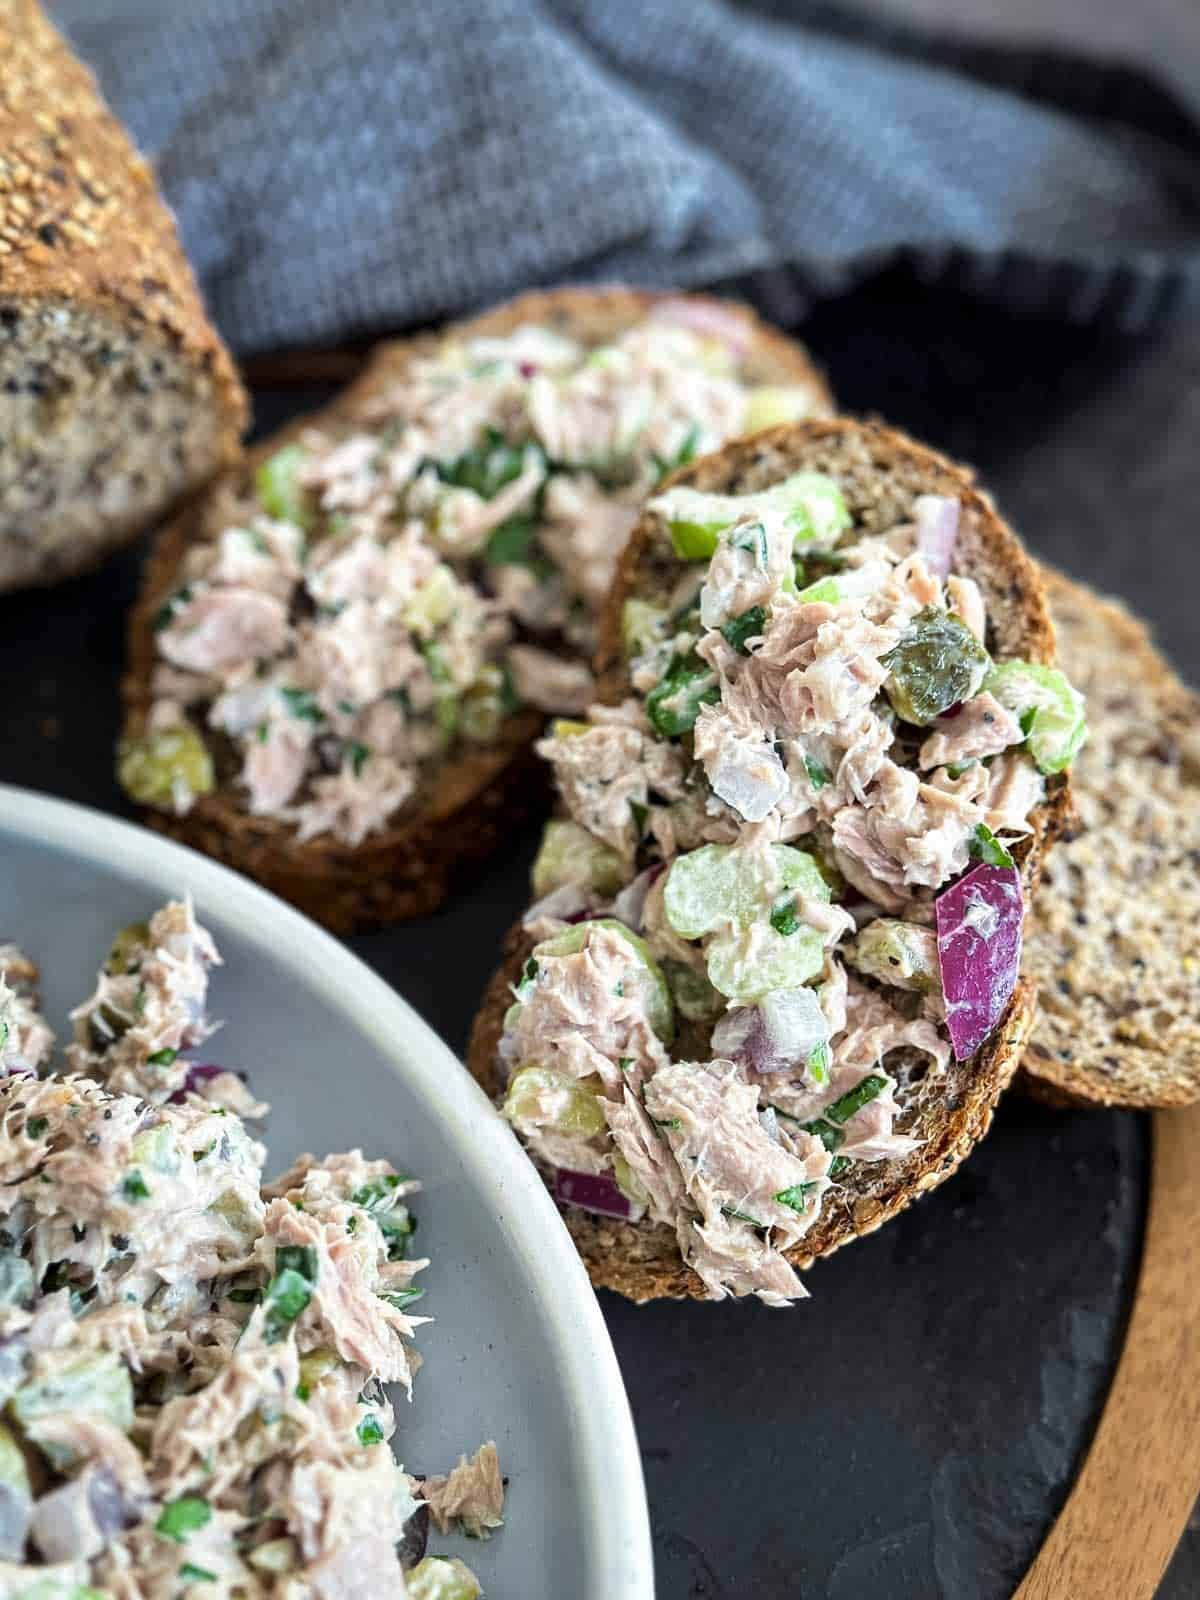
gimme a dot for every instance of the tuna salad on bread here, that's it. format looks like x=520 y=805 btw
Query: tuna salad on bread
x=770 y=988
x=343 y=655
x=193 y=1359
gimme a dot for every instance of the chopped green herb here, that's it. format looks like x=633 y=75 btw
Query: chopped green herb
x=288 y=1293
x=742 y=1216
x=162 y=1058
x=748 y=626
x=958 y=768
x=515 y=544
x=984 y=846
x=640 y=812
x=134 y=1187
x=818 y=775
x=402 y=1298
x=182 y=1517
x=303 y=1391
x=302 y=703
x=301 y=1258
x=871 y=1087
x=625 y=1063
x=244 y=1297
x=351 y=1224
x=488 y=468
x=190 y=1572
x=201 y=1155
x=667 y=1122
x=675 y=701
x=838 y=1166
x=165 y=614
x=752 y=537
x=398 y=1230
x=370 y=1430
x=359 y=754
x=784 y=919
x=263 y=732
x=377 y=1190
x=664 y=465
x=348 y=708
x=796 y=1197
x=35 y=1127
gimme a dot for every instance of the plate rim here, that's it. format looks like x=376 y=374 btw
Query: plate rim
x=614 y=1512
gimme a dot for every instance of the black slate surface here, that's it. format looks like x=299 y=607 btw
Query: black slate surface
x=912 y=1430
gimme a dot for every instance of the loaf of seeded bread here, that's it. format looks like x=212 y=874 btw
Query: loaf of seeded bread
x=1115 y=946
x=881 y=473
x=116 y=395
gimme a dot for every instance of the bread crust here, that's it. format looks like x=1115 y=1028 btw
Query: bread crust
x=83 y=224
x=954 y=1111
x=1127 y=889
x=479 y=799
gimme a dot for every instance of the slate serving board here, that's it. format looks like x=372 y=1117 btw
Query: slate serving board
x=913 y=1429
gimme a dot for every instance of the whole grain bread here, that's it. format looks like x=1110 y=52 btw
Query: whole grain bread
x=116 y=396
x=881 y=473
x=466 y=809
x=1115 y=945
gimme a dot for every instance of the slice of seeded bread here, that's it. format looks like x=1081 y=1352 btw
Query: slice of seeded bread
x=881 y=473
x=470 y=803
x=116 y=396
x=1116 y=943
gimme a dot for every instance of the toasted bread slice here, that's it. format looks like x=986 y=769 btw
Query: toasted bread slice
x=1115 y=947
x=881 y=472
x=474 y=799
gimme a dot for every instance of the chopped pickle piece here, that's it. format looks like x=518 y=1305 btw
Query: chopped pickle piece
x=1050 y=709
x=92 y=1385
x=938 y=663
x=656 y=995
x=570 y=854
x=489 y=700
x=168 y=768
x=535 y=1092
x=809 y=503
x=128 y=948
x=896 y=952
x=695 y=997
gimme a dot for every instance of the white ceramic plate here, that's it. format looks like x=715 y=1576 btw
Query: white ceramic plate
x=518 y=1351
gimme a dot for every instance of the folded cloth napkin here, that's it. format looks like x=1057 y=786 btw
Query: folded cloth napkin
x=348 y=166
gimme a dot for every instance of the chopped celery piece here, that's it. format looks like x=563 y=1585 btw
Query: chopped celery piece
x=674 y=703
x=93 y=1385
x=156 y=1148
x=810 y=505
x=900 y=953
x=570 y=854
x=168 y=768
x=433 y=604
x=773 y=403
x=1050 y=708
x=277 y=484
x=656 y=995
x=780 y=961
x=827 y=591
x=937 y=663
x=536 y=1092
x=488 y=468
x=718 y=884
x=641 y=624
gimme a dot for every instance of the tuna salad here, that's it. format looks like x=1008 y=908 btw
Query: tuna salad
x=193 y=1359
x=391 y=589
x=784 y=890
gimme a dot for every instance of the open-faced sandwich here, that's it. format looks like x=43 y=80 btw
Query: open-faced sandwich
x=769 y=992
x=192 y=1359
x=342 y=656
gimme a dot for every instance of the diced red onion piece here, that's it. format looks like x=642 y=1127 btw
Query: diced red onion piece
x=570 y=902
x=979 y=925
x=199 y=1072
x=781 y=1032
x=593 y=1191
x=709 y=320
x=937 y=530
x=630 y=905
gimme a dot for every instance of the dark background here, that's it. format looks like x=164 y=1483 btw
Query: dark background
x=912 y=1430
